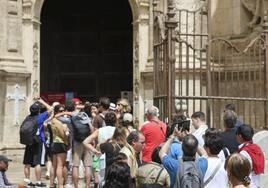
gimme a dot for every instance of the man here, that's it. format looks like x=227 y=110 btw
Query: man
x=104 y=104
x=251 y=151
x=154 y=132
x=231 y=107
x=199 y=123
x=34 y=155
x=189 y=148
x=135 y=141
x=3 y=179
x=228 y=136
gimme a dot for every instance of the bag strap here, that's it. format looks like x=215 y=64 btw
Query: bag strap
x=225 y=152
x=156 y=180
x=213 y=174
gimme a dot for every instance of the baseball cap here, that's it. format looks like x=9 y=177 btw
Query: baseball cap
x=127 y=117
x=35 y=108
x=112 y=107
x=4 y=159
x=75 y=100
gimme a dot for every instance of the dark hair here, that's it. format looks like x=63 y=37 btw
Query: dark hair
x=95 y=104
x=69 y=106
x=199 y=115
x=229 y=119
x=214 y=143
x=210 y=132
x=133 y=136
x=35 y=109
x=110 y=118
x=246 y=131
x=180 y=121
x=230 y=107
x=57 y=108
x=87 y=109
x=189 y=145
x=118 y=176
x=120 y=157
x=155 y=155
x=104 y=102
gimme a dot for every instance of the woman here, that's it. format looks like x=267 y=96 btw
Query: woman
x=118 y=176
x=112 y=147
x=59 y=148
x=238 y=169
x=122 y=107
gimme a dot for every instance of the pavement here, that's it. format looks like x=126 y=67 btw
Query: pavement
x=15 y=175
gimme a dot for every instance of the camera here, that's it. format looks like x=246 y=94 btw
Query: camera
x=183 y=125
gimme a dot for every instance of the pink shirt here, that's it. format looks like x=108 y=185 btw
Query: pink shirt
x=155 y=134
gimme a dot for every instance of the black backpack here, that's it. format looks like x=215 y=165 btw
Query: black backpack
x=81 y=126
x=189 y=175
x=28 y=130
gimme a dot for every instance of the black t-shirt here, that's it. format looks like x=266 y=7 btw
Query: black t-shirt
x=229 y=140
x=111 y=151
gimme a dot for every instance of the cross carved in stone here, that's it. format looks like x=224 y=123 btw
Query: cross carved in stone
x=16 y=97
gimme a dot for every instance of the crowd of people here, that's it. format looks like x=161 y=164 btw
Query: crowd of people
x=101 y=139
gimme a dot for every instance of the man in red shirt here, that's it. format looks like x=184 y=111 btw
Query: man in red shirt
x=154 y=132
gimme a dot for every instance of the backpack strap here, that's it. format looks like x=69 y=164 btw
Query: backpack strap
x=213 y=174
x=156 y=180
x=225 y=152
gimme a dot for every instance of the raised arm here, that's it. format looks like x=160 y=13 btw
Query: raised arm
x=48 y=107
x=89 y=140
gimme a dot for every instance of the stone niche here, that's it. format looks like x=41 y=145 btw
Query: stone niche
x=229 y=18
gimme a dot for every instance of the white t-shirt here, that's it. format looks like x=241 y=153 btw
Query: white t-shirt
x=198 y=133
x=220 y=179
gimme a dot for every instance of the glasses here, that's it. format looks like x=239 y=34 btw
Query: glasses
x=61 y=110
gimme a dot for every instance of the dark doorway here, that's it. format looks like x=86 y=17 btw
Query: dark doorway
x=86 y=47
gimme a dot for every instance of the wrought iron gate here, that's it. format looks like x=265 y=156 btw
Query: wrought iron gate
x=204 y=74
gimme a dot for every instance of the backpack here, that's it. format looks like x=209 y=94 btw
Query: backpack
x=155 y=184
x=28 y=130
x=189 y=175
x=81 y=126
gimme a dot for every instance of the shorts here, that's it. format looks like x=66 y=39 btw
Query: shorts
x=81 y=153
x=56 y=148
x=35 y=154
x=95 y=163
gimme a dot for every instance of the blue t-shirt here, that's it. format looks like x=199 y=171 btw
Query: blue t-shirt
x=172 y=166
x=175 y=150
x=40 y=120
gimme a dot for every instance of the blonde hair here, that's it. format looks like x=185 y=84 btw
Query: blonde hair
x=238 y=167
x=125 y=104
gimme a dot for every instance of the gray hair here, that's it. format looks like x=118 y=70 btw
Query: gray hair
x=153 y=111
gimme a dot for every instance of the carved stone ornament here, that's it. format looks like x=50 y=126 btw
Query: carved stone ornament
x=136 y=90
x=256 y=8
x=16 y=97
x=35 y=55
x=35 y=87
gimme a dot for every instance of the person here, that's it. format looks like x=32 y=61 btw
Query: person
x=199 y=123
x=118 y=176
x=122 y=107
x=229 y=134
x=98 y=120
x=154 y=132
x=251 y=151
x=128 y=122
x=100 y=136
x=238 y=169
x=189 y=147
x=231 y=107
x=153 y=172
x=59 y=148
x=34 y=155
x=133 y=147
x=3 y=178
x=112 y=147
x=215 y=175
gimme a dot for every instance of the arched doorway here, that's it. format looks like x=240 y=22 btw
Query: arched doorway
x=86 y=48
